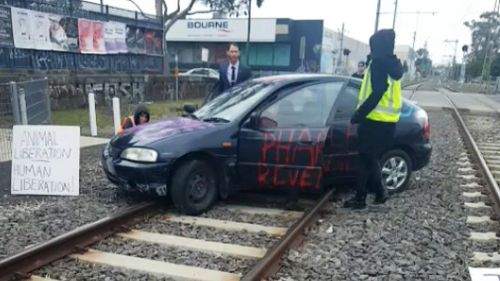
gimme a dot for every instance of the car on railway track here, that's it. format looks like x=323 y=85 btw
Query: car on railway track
x=273 y=132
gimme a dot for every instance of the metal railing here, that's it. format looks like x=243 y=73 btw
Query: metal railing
x=22 y=103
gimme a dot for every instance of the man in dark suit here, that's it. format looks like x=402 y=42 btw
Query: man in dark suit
x=232 y=72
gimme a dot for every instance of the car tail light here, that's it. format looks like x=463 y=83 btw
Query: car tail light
x=427 y=129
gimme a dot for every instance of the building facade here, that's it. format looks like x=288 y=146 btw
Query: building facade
x=276 y=45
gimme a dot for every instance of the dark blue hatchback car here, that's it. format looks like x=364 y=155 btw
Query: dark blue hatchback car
x=279 y=131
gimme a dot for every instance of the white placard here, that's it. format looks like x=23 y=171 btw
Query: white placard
x=45 y=160
x=223 y=30
x=204 y=54
x=40 y=31
x=484 y=274
x=21 y=28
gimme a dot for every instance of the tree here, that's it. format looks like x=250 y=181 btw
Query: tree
x=171 y=15
x=423 y=63
x=485 y=33
x=495 y=66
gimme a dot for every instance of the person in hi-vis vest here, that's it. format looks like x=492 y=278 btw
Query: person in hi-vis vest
x=378 y=111
x=140 y=116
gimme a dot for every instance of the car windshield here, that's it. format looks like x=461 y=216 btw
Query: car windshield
x=232 y=103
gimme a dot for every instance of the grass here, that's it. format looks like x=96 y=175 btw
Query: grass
x=104 y=116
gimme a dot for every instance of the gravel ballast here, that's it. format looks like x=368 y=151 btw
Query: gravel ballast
x=71 y=269
x=29 y=220
x=158 y=224
x=483 y=128
x=419 y=234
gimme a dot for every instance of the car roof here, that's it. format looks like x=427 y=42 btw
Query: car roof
x=299 y=77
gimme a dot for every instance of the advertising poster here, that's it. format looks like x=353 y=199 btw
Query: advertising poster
x=120 y=37
x=21 y=28
x=109 y=38
x=98 y=38
x=6 y=39
x=40 y=31
x=64 y=33
x=152 y=42
x=86 y=36
x=135 y=40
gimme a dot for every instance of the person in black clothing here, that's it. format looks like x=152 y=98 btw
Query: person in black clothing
x=232 y=72
x=375 y=137
x=140 y=116
x=361 y=70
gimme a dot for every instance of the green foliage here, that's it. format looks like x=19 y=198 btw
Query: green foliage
x=484 y=32
x=495 y=67
x=423 y=63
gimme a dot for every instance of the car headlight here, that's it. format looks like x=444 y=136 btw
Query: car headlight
x=140 y=155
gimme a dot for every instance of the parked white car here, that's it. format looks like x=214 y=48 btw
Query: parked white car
x=201 y=73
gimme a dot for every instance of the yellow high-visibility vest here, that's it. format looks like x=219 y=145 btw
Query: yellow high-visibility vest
x=389 y=107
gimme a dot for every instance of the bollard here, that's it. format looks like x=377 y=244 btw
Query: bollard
x=93 y=122
x=22 y=107
x=116 y=114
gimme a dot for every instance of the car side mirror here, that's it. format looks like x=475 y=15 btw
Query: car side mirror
x=253 y=121
x=189 y=108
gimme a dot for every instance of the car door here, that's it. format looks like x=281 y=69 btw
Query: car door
x=341 y=149
x=284 y=146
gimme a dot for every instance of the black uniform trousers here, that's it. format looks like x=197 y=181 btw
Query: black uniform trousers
x=374 y=138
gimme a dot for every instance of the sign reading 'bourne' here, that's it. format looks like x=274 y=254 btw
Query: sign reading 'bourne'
x=224 y=30
x=45 y=160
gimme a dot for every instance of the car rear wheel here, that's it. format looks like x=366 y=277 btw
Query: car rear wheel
x=396 y=170
x=194 y=187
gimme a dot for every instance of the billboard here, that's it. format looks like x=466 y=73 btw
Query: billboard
x=6 y=38
x=64 y=33
x=21 y=28
x=114 y=37
x=40 y=31
x=222 y=30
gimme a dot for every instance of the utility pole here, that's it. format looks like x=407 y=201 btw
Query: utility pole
x=395 y=13
x=341 y=45
x=249 y=30
x=377 y=16
x=454 y=60
x=485 y=73
x=465 y=49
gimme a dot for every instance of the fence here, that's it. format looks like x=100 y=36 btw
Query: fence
x=22 y=103
x=6 y=122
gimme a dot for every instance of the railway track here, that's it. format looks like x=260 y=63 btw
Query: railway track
x=479 y=170
x=79 y=244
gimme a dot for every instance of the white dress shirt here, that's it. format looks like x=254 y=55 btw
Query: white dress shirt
x=230 y=72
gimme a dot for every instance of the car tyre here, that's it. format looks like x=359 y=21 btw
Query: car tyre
x=194 y=187
x=396 y=170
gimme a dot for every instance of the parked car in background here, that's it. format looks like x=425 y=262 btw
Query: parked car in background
x=273 y=132
x=201 y=73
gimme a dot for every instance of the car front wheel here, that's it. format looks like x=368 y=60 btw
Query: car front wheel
x=396 y=170
x=194 y=187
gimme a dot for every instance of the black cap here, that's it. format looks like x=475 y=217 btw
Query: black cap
x=361 y=64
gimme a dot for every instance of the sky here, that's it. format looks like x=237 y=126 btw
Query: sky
x=359 y=19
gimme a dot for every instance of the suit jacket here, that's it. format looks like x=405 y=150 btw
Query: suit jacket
x=244 y=73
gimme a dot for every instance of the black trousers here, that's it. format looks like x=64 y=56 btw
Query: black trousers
x=374 y=138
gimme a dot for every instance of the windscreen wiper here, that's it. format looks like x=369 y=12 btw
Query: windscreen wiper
x=216 y=119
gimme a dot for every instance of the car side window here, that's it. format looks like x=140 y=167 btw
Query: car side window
x=346 y=103
x=309 y=106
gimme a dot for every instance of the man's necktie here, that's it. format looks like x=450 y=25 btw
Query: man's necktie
x=233 y=75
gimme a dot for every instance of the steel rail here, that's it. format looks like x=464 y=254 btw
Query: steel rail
x=485 y=170
x=268 y=265
x=21 y=264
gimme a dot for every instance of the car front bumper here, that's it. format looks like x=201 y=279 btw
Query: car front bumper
x=145 y=177
x=422 y=154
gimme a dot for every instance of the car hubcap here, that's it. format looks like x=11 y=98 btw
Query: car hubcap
x=198 y=187
x=394 y=173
